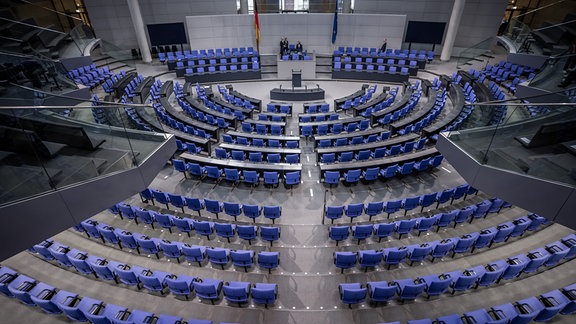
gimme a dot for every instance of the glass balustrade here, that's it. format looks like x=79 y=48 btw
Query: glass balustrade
x=542 y=146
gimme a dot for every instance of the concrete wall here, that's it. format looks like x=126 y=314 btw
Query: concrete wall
x=480 y=20
x=314 y=31
x=111 y=18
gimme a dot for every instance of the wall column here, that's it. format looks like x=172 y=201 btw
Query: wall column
x=136 y=16
x=452 y=29
x=347 y=6
x=244 y=6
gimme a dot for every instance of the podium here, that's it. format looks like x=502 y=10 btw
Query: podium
x=296 y=78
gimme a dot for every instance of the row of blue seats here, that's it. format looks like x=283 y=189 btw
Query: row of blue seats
x=258 y=142
x=366 y=113
x=377 y=207
x=540 y=308
x=131 y=86
x=455 y=281
x=187 y=146
x=469 y=96
x=251 y=177
x=361 y=139
x=279 y=108
x=370 y=60
x=399 y=53
x=360 y=99
x=166 y=119
x=428 y=119
x=155 y=90
x=425 y=223
x=317 y=118
x=402 y=112
x=77 y=308
x=108 y=84
x=214 y=62
x=153 y=280
x=231 y=99
x=372 y=174
x=378 y=153
x=203 y=117
x=316 y=108
x=253 y=66
x=262 y=129
x=322 y=129
x=183 y=224
x=337 y=66
x=90 y=75
x=212 y=206
x=195 y=253
x=435 y=249
x=499 y=112
x=256 y=157
x=208 y=53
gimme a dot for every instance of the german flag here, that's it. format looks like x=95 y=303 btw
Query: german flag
x=257 y=26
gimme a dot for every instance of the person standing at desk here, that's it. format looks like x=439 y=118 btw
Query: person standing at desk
x=384 y=45
x=299 y=47
x=284 y=46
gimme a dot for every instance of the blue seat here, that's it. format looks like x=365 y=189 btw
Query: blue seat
x=147 y=244
x=463 y=243
x=327 y=158
x=221 y=153
x=153 y=280
x=537 y=258
x=269 y=234
x=268 y=260
x=272 y=212
x=395 y=255
x=410 y=203
x=362 y=232
x=255 y=157
x=353 y=210
x=374 y=208
x=352 y=176
x=292 y=178
x=203 y=228
x=218 y=256
x=171 y=249
x=196 y=169
x=444 y=196
x=363 y=155
x=214 y=206
x=213 y=172
x=392 y=207
x=345 y=260
x=181 y=285
x=462 y=280
x=144 y=216
x=271 y=178
x=252 y=211
x=236 y=292
x=242 y=258
x=160 y=197
x=427 y=200
x=370 y=174
x=264 y=293
x=273 y=158
x=207 y=288
x=503 y=232
x=238 y=155
x=177 y=201
x=194 y=204
x=409 y=289
x=436 y=284
x=292 y=158
x=345 y=156
x=247 y=232
x=232 y=209
x=369 y=258
x=225 y=230
x=446 y=219
x=180 y=166
x=389 y=171
x=251 y=177
x=442 y=248
x=334 y=212
x=339 y=233
x=405 y=226
x=384 y=230
x=194 y=253
x=331 y=177
x=380 y=291
x=352 y=293
x=419 y=252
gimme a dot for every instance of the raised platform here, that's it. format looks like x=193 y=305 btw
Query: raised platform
x=297 y=94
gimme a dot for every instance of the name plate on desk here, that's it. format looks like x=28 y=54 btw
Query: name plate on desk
x=297 y=94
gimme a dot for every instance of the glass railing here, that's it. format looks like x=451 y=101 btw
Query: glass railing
x=47 y=148
x=475 y=51
x=518 y=32
x=23 y=74
x=83 y=38
x=543 y=146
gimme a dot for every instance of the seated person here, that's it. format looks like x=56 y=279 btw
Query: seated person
x=299 y=47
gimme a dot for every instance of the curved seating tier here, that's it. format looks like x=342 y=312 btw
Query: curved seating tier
x=459 y=280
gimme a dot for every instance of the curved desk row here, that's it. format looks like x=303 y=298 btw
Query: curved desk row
x=366 y=146
x=456 y=94
x=297 y=94
x=281 y=168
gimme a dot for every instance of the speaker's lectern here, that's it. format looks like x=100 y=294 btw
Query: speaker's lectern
x=296 y=78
